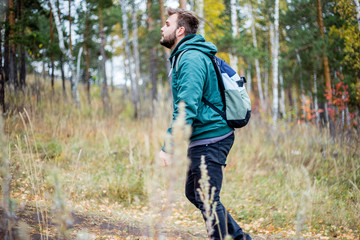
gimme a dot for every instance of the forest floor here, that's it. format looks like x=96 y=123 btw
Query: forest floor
x=96 y=225
x=134 y=224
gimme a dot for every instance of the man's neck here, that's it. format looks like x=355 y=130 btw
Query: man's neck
x=176 y=42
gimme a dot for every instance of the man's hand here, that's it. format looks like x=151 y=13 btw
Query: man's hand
x=164 y=158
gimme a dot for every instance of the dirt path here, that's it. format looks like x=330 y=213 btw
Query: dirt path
x=92 y=227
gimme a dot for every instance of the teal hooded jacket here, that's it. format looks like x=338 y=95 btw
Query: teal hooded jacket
x=193 y=79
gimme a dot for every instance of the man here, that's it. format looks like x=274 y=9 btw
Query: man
x=192 y=79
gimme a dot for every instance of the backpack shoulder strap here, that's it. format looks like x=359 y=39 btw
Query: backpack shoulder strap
x=219 y=79
x=177 y=59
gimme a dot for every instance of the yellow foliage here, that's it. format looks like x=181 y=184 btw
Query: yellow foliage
x=212 y=11
x=117 y=31
x=349 y=32
x=224 y=56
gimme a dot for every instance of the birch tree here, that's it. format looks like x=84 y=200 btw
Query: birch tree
x=136 y=58
x=128 y=56
x=87 y=56
x=52 y=54
x=257 y=66
x=248 y=78
x=357 y=12
x=234 y=29
x=66 y=52
x=201 y=16
x=275 y=68
x=104 y=91
x=316 y=105
x=282 y=96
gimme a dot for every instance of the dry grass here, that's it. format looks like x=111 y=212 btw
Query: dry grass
x=295 y=179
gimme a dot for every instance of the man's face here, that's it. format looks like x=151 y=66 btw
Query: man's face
x=168 y=32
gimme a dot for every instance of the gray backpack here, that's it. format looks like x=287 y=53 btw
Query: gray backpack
x=236 y=101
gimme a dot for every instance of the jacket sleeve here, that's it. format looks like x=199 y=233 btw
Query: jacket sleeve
x=190 y=76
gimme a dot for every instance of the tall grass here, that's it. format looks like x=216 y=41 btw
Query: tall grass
x=296 y=177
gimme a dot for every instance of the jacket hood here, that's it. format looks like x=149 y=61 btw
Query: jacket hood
x=194 y=41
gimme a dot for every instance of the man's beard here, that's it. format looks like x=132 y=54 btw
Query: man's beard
x=169 y=41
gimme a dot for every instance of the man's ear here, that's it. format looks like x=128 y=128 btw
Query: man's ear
x=180 y=31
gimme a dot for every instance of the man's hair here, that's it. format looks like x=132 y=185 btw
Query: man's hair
x=186 y=19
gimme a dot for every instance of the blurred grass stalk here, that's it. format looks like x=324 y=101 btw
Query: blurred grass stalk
x=7 y=219
x=35 y=171
x=176 y=144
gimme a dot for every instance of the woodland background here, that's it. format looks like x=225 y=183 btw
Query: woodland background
x=86 y=102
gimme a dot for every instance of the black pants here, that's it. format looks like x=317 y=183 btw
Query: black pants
x=215 y=158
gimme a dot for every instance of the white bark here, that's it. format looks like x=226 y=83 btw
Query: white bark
x=316 y=105
x=357 y=12
x=282 y=97
x=234 y=28
x=348 y=123
x=112 y=74
x=67 y=53
x=266 y=86
x=201 y=16
x=248 y=79
x=136 y=55
x=257 y=66
x=274 y=52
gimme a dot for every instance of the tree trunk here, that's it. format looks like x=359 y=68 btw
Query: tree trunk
x=302 y=91
x=166 y=50
x=295 y=100
x=234 y=28
x=275 y=69
x=357 y=12
x=2 y=80
x=316 y=105
x=87 y=74
x=182 y=4
x=266 y=84
x=257 y=66
x=104 y=92
x=87 y=59
x=112 y=75
x=52 y=54
x=65 y=52
x=12 y=65
x=201 y=17
x=70 y=44
x=22 y=49
x=62 y=75
x=326 y=68
x=150 y=23
x=77 y=80
x=248 y=79
x=137 y=59
x=7 y=45
x=128 y=54
x=282 y=97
